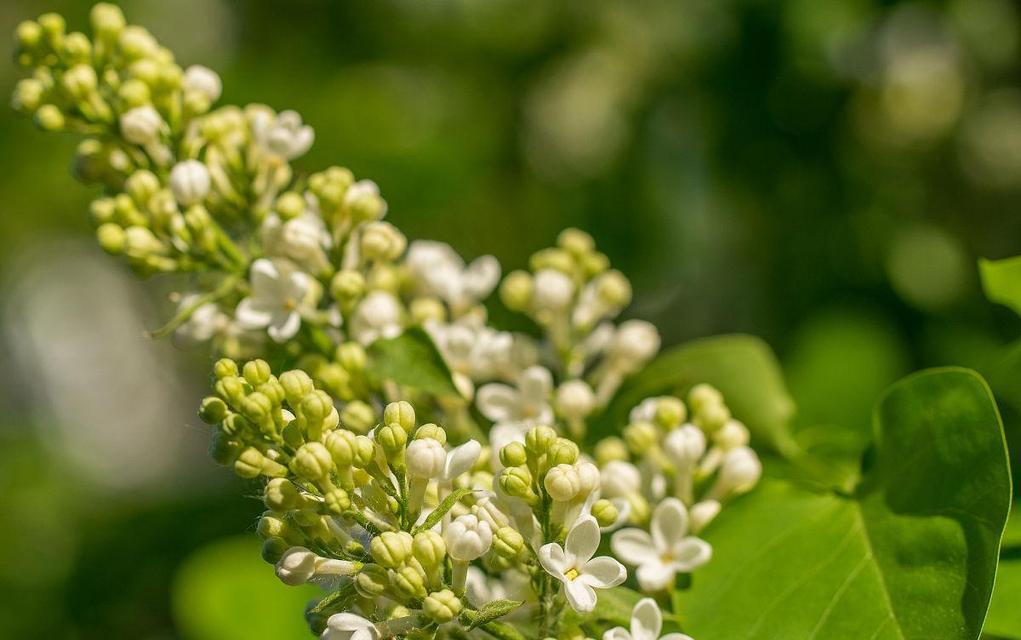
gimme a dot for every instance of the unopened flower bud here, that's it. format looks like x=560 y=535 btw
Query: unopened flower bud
x=312 y=461
x=297 y=566
x=141 y=125
x=740 y=470
x=538 y=440
x=393 y=439
x=382 y=241
x=563 y=451
x=111 y=238
x=442 y=606
x=190 y=182
x=670 y=412
x=49 y=117
x=107 y=21
x=409 y=581
x=517 y=483
x=273 y=549
x=372 y=581
x=401 y=413
x=552 y=259
x=640 y=437
x=605 y=513
x=575 y=241
x=635 y=342
x=391 y=548
x=358 y=416
x=703 y=395
x=562 y=482
x=553 y=290
x=516 y=290
x=508 y=543
x=575 y=399
x=425 y=458
x=281 y=494
x=684 y=445
x=620 y=479
x=731 y=435
x=513 y=455
x=79 y=81
x=204 y=81
x=702 y=513
x=347 y=286
x=467 y=538
x=588 y=477
x=225 y=367
x=609 y=449
x=429 y=549
x=212 y=410
x=337 y=500
x=712 y=417
x=256 y=372
x=613 y=289
x=431 y=431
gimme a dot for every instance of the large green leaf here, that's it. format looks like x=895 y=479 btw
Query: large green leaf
x=411 y=359
x=1001 y=280
x=1004 y=618
x=226 y=592
x=741 y=366
x=911 y=555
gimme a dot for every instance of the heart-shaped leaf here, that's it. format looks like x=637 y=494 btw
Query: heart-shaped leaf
x=742 y=367
x=912 y=554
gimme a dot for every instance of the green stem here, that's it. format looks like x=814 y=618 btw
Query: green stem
x=226 y=287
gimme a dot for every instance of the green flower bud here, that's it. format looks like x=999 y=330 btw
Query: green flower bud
x=424 y=310
x=101 y=210
x=256 y=372
x=432 y=431
x=77 y=50
x=516 y=290
x=513 y=455
x=409 y=581
x=609 y=449
x=575 y=241
x=134 y=93
x=517 y=483
x=273 y=390
x=563 y=451
x=250 y=463
x=136 y=42
x=281 y=494
x=594 y=263
x=224 y=449
x=107 y=21
x=212 y=410
x=225 y=367
x=393 y=439
x=347 y=286
x=358 y=416
x=273 y=549
x=270 y=525
x=538 y=440
x=312 y=461
x=365 y=451
x=508 y=543
x=49 y=118
x=640 y=437
x=235 y=424
x=391 y=549
x=429 y=549
x=316 y=406
x=297 y=384
x=141 y=186
x=441 y=606
x=54 y=27
x=337 y=500
x=28 y=95
x=231 y=388
x=614 y=289
x=111 y=238
x=556 y=259
x=605 y=513
x=29 y=35
x=290 y=205
x=336 y=379
x=400 y=413
x=382 y=241
x=352 y=357
x=256 y=406
x=372 y=581
x=703 y=395
x=670 y=412
x=712 y=416
x=341 y=445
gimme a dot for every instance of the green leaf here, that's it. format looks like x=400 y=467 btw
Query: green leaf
x=225 y=591
x=741 y=366
x=437 y=514
x=411 y=359
x=489 y=612
x=613 y=607
x=1004 y=618
x=1001 y=280
x=912 y=554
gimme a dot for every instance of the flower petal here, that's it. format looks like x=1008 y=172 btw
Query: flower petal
x=583 y=539
x=655 y=576
x=252 y=313
x=617 y=633
x=691 y=553
x=634 y=546
x=676 y=636
x=646 y=620
x=580 y=596
x=283 y=326
x=669 y=524
x=553 y=560
x=535 y=384
x=603 y=572
x=498 y=402
x=264 y=276
x=461 y=459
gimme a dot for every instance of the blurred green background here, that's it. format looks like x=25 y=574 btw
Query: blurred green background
x=822 y=173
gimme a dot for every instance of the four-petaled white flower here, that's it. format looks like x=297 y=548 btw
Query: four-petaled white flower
x=574 y=565
x=204 y=323
x=439 y=271
x=303 y=239
x=669 y=549
x=348 y=626
x=646 y=624
x=279 y=295
x=473 y=349
x=377 y=316
x=528 y=403
x=282 y=134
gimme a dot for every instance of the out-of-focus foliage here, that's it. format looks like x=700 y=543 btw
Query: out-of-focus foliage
x=822 y=173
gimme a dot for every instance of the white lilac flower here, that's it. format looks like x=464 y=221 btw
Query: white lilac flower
x=348 y=626
x=461 y=459
x=473 y=349
x=619 y=479
x=189 y=182
x=141 y=125
x=202 y=325
x=378 y=315
x=279 y=295
x=438 y=270
x=202 y=80
x=646 y=624
x=553 y=290
x=574 y=566
x=702 y=513
x=467 y=538
x=298 y=565
x=528 y=402
x=669 y=549
x=739 y=472
x=282 y=134
x=361 y=191
x=303 y=239
x=634 y=343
